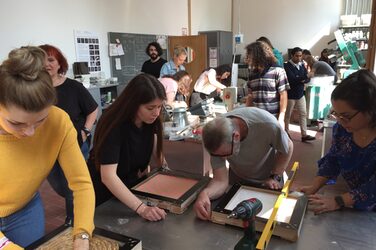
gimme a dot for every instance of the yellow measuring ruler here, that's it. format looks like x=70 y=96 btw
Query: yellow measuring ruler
x=269 y=227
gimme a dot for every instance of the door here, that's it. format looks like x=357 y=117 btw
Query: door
x=197 y=53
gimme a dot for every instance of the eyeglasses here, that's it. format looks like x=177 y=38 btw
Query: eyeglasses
x=337 y=116
x=231 y=152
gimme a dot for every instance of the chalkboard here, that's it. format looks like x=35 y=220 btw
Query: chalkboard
x=134 y=46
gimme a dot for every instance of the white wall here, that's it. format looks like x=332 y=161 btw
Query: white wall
x=211 y=15
x=35 y=22
x=308 y=24
x=287 y=23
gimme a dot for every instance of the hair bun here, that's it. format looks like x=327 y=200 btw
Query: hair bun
x=25 y=62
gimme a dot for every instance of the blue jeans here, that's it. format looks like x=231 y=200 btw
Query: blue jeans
x=26 y=225
x=59 y=183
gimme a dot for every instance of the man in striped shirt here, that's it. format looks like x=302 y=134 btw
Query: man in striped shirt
x=268 y=83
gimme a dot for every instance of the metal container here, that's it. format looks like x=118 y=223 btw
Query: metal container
x=179 y=117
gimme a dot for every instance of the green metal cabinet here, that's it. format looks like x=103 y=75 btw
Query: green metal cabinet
x=318 y=101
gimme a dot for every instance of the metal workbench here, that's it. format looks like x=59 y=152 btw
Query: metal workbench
x=347 y=229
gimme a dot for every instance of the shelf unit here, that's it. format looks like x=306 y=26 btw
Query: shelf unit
x=104 y=95
x=357 y=33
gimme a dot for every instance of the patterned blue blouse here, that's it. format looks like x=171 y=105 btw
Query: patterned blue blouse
x=357 y=166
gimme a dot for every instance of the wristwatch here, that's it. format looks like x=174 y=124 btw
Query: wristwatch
x=87 y=131
x=276 y=177
x=339 y=201
x=82 y=236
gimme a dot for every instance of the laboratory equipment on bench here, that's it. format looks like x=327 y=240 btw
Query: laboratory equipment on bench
x=350 y=53
x=230 y=97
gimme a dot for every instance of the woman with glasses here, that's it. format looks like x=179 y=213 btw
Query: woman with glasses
x=353 y=150
x=256 y=146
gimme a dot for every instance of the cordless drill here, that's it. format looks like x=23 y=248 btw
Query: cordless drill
x=247 y=211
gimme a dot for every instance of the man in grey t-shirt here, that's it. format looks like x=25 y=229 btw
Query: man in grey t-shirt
x=320 y=68
x=256 y=146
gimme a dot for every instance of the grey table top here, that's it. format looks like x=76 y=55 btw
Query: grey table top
x=346 y=229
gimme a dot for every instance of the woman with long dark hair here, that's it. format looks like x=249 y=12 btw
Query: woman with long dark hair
x=128 y=134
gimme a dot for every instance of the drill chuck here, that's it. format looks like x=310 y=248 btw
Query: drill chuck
x=246 y=209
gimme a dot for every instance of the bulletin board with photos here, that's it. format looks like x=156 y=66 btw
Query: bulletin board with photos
x=88 y=50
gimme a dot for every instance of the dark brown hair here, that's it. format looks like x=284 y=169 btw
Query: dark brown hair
x=359 y=91
x=142 y=89
x=261 y=55
x=157 y=47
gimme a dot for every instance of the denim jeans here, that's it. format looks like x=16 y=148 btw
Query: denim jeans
x=26 y=225
x=59 y=183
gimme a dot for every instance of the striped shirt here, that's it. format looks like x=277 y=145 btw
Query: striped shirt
x=266 y=88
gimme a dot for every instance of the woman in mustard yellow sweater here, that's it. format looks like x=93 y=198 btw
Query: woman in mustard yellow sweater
x=33 y=135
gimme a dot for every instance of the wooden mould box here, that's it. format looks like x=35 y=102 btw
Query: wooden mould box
x=61 y=238
x=171 y=190
x=289 y=217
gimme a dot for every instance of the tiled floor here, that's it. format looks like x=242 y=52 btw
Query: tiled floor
x=306 y=154
x=54 y=207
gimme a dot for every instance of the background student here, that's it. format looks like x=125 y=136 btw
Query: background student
x=297 y=76
x=177 y=88
x=75 y=99
x=277 y=54
x=176 y=63
x=154 y=64
x=210 y=83
x=267 y=83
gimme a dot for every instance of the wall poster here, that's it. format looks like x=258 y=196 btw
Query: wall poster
x=87 y=49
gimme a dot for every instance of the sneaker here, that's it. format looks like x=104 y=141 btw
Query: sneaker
x=308 y=138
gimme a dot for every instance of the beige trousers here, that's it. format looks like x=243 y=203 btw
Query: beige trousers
x=301 y=107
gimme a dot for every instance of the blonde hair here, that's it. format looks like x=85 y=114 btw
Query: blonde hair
x=24 y=82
